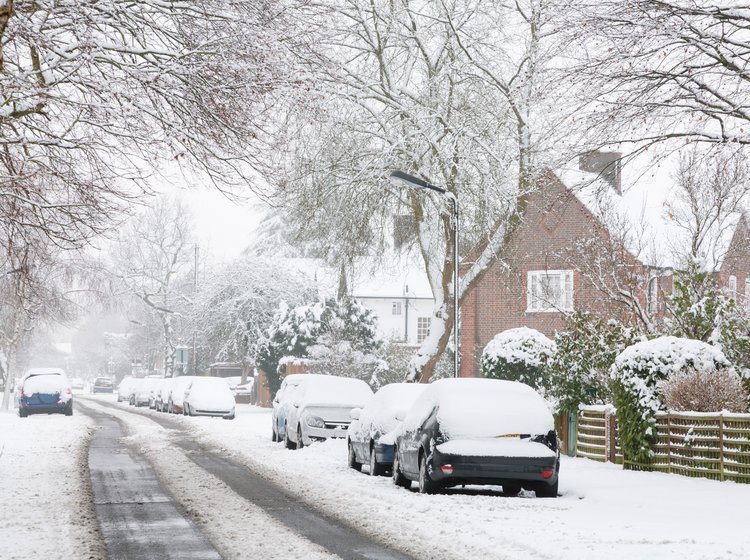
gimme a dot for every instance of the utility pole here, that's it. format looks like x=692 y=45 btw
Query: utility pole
x=195 y=327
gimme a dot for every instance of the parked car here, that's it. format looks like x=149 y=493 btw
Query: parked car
x=45 y=391
x=177 y=393
x=77 y=384
x=209 y=396
x=102 y=385
x=161 y=394
x=377 y=418
x=478 y=431
x=143 y=391
x=243 y=392
x=321 y=409
x=125 y=389
x=282 y=403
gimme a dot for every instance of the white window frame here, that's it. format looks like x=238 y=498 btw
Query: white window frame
x=396 y=308
x=537 y=302
x=653 y=295
x=732 y=285
x=422 y=331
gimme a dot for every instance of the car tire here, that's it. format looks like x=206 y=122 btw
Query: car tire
x=546 y=490
x=376 y=469
x=351 y=459
x=511 y=489
x=288 y=443
x=426 y=484
x=274 y=437
x=69 y=411
x=22 y=413
x=229 y=416
x=398 y=477
x=300 y=443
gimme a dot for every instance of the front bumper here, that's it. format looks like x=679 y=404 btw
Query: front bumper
x=523 y=471
x=384 y=454
x=310 y=433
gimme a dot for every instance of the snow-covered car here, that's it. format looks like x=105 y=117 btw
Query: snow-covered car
x=161 y=394
x=209 y=396
x=377 y=418
x=45 y=391
x=282 y=402
x=125 y=389
x=143 y=392
x=321 y=409
x=102 y=385
x=177 y=393
x=478 y=431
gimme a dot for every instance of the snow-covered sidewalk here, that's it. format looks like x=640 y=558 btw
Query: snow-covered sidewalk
x=46 y=509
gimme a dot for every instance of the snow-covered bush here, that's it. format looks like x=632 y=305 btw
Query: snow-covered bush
x=519 y=354
x=638 y=374
x=705 y=390
x=586 y=350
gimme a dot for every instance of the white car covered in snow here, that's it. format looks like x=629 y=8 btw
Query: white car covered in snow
x=177 y=393
x=478 y=431
x=209 y=396
x=143 y=391
x=321 y=409
x=377 y=418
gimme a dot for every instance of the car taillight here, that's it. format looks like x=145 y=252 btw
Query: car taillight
x=547 y=473
x=447 y=469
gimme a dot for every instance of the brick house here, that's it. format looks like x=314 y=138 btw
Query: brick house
x=585 y=244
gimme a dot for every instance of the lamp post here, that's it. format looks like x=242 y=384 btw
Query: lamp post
x=401 y=179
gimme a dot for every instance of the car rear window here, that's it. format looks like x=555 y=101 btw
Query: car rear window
x=47 y=383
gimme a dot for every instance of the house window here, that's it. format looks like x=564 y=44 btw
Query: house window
x=733 y=287
x=423 y=329
x=653 y=296
x=396 y=309
x=549 y=290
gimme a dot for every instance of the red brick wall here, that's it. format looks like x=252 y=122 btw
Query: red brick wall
x=737 y=261
x=553 y=223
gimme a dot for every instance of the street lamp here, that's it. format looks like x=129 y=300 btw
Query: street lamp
x=401 y=179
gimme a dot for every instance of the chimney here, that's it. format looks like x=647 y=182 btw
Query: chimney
x=608 y=165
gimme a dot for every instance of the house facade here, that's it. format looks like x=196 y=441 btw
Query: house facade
x=585 y=245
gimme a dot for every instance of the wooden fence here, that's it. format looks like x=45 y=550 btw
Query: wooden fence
x=708 y=445
x=696 y=444
x=596 y=437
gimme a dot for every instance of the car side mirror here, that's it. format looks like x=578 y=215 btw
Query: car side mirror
x=400 y=415
x=354 y=413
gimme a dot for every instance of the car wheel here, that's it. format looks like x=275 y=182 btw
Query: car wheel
x=426 y=485
x=352 y=459
x=545 y=490
x=300 y=443
x=376 y=469
x=511 y=489
x=274 y=437
x=398 y=477
x=69 y=411
x=22 y=413
x=288 y=443
x=229 y=416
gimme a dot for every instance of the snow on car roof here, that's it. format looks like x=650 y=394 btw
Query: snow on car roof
x=482 y=408
x=329 y=389
x=44 y=371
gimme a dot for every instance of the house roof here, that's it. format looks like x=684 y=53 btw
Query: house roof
x=645 y=217
x=396 y=275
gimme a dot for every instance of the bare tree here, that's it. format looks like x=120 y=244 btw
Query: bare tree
x=150 y=253
x=97 y=94
x=453 y=92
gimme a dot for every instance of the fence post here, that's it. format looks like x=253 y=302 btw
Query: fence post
x=721 y=446
x=669 y=441
x=611 y=434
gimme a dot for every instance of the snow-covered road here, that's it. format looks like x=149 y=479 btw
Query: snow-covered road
x=604 y=512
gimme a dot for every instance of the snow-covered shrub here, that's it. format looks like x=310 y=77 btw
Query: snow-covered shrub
x=638 y=374
x=706 y=390
x=519 y=354
x=586 y=350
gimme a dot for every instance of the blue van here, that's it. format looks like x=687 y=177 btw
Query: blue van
x=45 y=391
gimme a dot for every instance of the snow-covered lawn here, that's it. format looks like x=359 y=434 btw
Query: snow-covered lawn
x=45 y=505
x=604 y=512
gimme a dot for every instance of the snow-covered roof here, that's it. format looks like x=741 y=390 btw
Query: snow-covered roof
x=396 y=275
x=643 y=216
